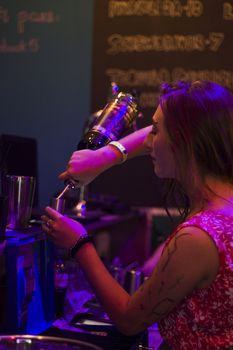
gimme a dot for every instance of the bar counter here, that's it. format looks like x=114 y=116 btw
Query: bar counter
x=28 y=289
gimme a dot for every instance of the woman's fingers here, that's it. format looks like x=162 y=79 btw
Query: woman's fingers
x=48 y=223
x=63 y=176
x=52 y=213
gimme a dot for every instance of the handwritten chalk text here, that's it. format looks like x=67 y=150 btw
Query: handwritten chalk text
x=164 y=43
x=169 y=8
x=24 y=17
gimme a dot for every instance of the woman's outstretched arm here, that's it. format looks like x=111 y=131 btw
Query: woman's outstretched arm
x=86 y=165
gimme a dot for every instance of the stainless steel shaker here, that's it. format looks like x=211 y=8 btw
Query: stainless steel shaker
x=20 y=191
x=132 y=280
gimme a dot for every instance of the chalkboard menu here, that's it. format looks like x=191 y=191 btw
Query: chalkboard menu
x=140 y=44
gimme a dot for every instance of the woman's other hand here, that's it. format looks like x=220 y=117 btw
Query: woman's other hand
x=63 y=231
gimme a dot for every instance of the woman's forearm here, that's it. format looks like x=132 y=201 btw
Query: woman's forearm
x=134 y=143
x=109 y=293
x=85 y=165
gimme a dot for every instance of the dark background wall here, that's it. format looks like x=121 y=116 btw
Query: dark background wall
x=45 y=75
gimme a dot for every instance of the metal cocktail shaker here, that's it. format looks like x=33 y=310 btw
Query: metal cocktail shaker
x=133 y=279
x=20 y=191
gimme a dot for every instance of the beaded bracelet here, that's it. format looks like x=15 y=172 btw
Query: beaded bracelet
x=86 y=238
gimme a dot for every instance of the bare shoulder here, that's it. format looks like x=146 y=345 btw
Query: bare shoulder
x=197 y=249
x=196 y=237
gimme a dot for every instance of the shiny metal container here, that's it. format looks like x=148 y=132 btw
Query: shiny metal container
x=58 y=204
x=132 y=281
x=20 y=191
x=30 y=342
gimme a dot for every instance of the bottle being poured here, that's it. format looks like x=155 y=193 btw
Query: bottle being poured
x=109 y=125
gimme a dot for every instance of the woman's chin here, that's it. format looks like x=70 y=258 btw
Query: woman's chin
x=158 y=173
x=162 y=175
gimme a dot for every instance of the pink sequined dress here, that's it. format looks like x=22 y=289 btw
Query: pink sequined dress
x=204 y=319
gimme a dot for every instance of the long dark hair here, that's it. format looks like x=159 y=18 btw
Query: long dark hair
x=199 y=121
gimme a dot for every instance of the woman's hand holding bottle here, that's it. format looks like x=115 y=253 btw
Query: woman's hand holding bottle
x=85 y=165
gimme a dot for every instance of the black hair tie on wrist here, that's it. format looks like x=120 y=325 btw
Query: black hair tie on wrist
x=80 y=242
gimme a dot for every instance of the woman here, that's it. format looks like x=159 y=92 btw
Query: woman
x=190 y=292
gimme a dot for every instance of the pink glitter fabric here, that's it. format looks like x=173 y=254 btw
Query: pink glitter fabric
x=204 y=319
